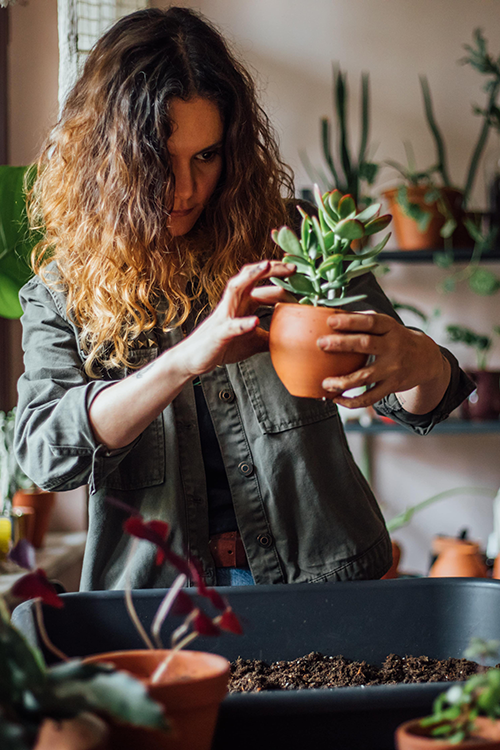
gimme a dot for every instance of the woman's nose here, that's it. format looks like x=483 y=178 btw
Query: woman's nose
x=184 y=182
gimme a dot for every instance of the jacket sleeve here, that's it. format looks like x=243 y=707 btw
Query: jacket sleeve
x=54 y=441
x=460 y=385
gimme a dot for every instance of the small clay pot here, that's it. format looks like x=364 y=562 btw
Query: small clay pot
x=299 y=363
x=396 y=557
x=409 y=236
x=42 y=503
x=412 y=736
x=459 y=559
x=190 y=690
x=484 y=402
x=84 y=732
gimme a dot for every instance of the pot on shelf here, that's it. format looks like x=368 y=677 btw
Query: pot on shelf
x=84 y=732
x=299 y=363
x=190 y=690
x=409 y=236
x=458 y=558
x=412 y=736
x=42 y=503
x=484 y=402
x=396 y=558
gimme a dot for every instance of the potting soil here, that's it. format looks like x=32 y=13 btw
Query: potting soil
x=318 y=671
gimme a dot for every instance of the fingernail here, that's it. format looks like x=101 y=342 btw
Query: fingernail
x=322 y=342
x=291 y=266
x=263 y=266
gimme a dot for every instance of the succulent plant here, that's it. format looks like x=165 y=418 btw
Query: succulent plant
x=325 y=261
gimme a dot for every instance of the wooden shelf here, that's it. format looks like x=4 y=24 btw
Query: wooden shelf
x=448 y=427
x=461 y=255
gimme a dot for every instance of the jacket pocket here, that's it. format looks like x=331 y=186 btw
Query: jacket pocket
x=275 y=408
x=144 y=464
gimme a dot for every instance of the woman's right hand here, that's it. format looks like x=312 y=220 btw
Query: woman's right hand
x=231 y=334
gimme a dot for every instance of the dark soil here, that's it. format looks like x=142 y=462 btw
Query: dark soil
x=318 y=671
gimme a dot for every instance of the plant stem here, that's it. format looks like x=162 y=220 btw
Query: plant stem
x=163 y=666
x=43 y=632
x=164 y=609
x=480 y=144
x=128 y=597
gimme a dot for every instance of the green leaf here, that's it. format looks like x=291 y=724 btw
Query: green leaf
x=484 y=282
x=378 y=224
x=282 y=283
x=319 y=235
x=306 y=232
x=360 y=271
x=302 y=264
x=334 y=199
x=448 y=228
x=443 y=259
x=368 y=213
x=118 y=694
x=301 y=284
x=334 y=261
x=288 y=241
x=318 y=198
x=347 y=207
x=350 y=229
x=10 y=307
x=342 y=301
x=368 y=171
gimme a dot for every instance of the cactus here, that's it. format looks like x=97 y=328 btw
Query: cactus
x=323 y=256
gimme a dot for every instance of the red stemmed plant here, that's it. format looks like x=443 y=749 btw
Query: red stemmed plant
x=177 y=600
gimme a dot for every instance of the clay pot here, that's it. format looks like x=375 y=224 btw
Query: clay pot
x=396 y=557
x=412 y=736
x=299 y=363
x=42 y=502
x=408 y=235
x=85 y=732
x=484 y=402
x=459 y=559
x=190 y=690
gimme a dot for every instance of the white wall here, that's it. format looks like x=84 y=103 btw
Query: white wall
x=290 y=45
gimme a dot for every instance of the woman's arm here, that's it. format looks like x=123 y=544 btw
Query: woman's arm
x=120 y=413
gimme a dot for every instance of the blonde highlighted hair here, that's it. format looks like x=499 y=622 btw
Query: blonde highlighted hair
x=105 y=186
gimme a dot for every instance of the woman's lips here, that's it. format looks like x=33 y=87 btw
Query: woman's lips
x=179 y=214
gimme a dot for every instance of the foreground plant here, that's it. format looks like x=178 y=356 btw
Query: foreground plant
x=323 y=256
x=455 y=711
x=177 y=600
x=30 y=692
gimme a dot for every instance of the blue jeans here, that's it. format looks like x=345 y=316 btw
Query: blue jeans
x=234 y=577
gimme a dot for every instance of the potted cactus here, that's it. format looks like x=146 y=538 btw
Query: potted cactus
x=325 y=265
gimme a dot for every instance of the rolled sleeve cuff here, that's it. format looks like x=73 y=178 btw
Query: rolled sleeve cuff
x=459 y=387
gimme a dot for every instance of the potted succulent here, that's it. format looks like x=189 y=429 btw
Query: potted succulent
x=64 y=705
x=465 y=716
x=484 y=402
x=428 y=208
x=19 y=497
x=190 y=685
x=325 y=264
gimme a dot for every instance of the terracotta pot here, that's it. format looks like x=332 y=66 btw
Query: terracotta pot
x=459 y=559
x=191 y=691
x=408 y=235
x=495 y=573
x=300 y=364
x=484 y=402
x=412 y=736
x=42 y=502
x=85 y=732
x=396 y=557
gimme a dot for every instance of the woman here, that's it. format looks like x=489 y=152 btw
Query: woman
x=146 y=367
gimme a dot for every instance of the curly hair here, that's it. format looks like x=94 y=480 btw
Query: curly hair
x=105 y=185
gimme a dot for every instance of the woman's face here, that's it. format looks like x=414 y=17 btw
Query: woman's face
x=195 y=149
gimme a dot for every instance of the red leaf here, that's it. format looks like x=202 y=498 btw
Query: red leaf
x=197 y=574
x=182 y=605
x=36 y=585
x=204 y=625
x=141 y=529
x=216 y=599
x=230 y=622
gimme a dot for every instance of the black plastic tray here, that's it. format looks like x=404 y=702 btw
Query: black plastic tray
x=359 y=620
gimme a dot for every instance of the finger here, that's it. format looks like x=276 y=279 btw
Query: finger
x=363 y=343
x=375 y=323
x=269 y=295
x=368 y=398
x=243 y=283
x=362 y=377
x=239 y=326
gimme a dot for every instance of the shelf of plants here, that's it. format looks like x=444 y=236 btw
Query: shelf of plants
x=461 y=255
x=449 y=427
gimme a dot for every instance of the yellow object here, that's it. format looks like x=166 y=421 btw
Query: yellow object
x=5 y=536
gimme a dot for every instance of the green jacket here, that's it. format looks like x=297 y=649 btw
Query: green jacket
x=305 y=512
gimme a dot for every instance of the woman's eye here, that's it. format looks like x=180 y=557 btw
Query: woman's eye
x=207 y=155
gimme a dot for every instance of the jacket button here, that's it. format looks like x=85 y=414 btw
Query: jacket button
x=246 y=468
x=265 y=540
x=227 y=396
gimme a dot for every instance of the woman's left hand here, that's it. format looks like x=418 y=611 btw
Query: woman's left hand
x=406 y=362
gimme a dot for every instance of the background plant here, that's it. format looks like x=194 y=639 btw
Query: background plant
x=346 y=172
x=325 y=262
x=12 y=478
x=481 y=343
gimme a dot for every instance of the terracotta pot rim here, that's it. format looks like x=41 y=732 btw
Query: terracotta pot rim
x=219 y=663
